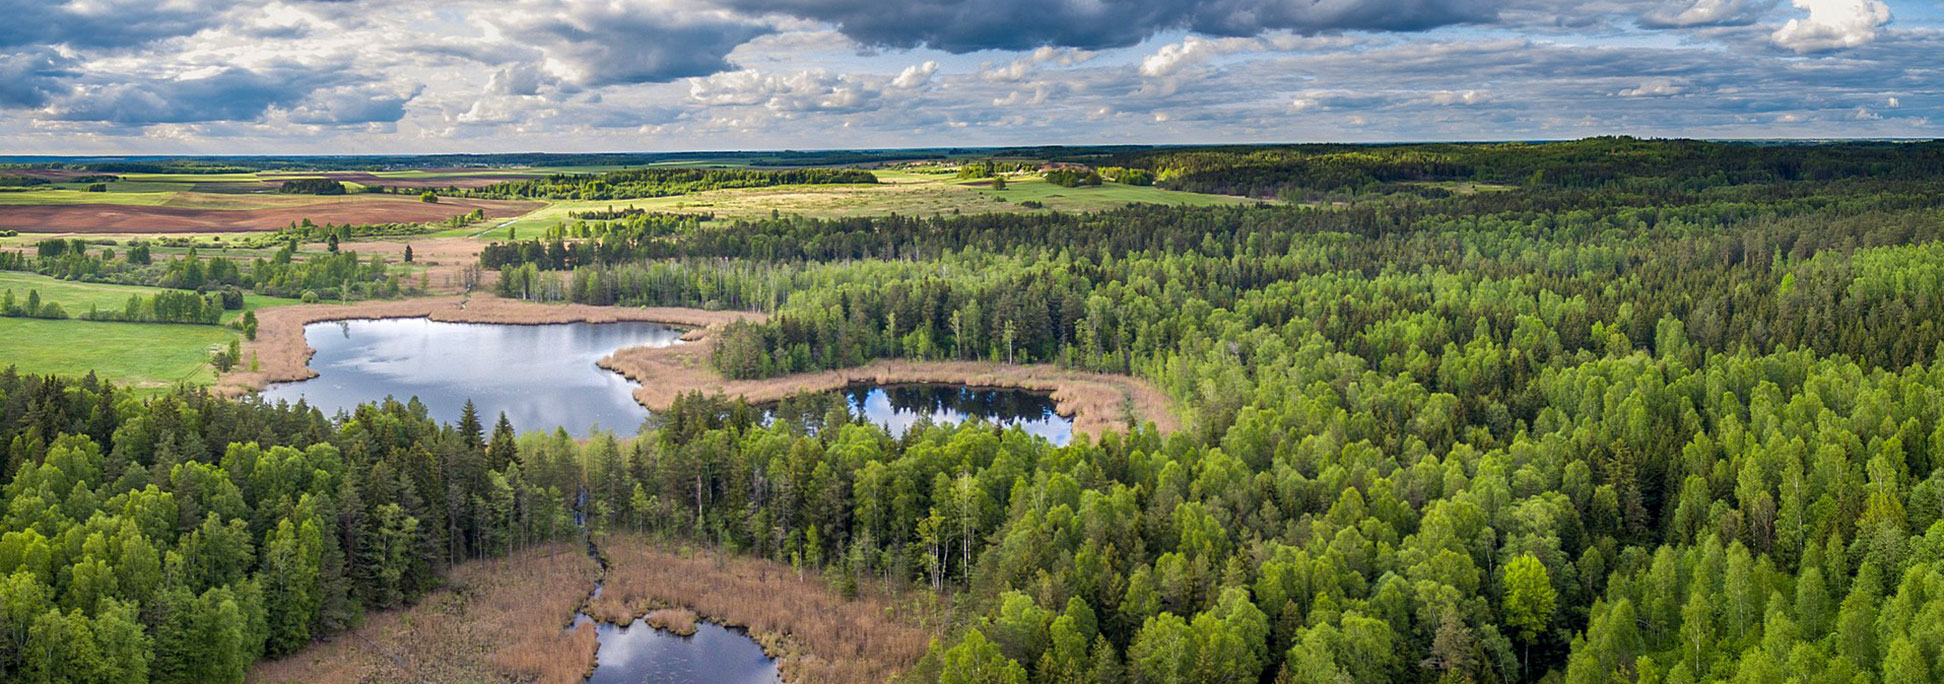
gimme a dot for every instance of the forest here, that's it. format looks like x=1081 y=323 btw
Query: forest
x=1661 y=427
x=1335 y=171
x=1665 y=427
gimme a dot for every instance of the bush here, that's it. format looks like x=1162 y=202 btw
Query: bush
x=310 y=297
x=311 y=186
x=429 y=197
x=98 y=187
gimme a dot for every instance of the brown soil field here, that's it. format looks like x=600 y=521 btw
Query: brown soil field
x=459 y=178
x=123 y=218
x=815 y=634
x=499 y=620
x=56 y=175
x=1097 y=402
x=282 y=355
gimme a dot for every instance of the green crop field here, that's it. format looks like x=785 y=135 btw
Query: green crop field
x=150 y=356
x=897 y=192
x=75 y=297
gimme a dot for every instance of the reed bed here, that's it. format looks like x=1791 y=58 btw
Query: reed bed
x=816 y=635
x=500 y=620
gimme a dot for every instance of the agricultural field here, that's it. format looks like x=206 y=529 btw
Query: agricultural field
x=75 y=297
x=900 y=192
x=147 y=356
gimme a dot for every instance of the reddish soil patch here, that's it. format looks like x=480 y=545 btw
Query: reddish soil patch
x=56 y=175
x=121 y=218
x=460 y=178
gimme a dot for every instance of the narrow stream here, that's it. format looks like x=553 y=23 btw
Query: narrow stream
x=641 y=654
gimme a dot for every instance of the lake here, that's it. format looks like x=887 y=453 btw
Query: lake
x=898 y=407
x=541 y=376
x=641 y=654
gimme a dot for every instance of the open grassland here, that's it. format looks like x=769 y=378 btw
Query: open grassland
x=148 y=356
x=75 y=297
x=498 y=620
x=897 y=192
x=815 y=634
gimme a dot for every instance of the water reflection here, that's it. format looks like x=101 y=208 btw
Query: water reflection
x=542 y=376
x=898 y=407
x=640 y=654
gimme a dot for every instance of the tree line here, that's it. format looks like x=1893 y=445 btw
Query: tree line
x=663 y=182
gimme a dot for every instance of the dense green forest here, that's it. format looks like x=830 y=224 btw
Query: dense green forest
x=663 y=182
x=1631 y=419
x=1308 y=172
x=1665 y=427
x=181 y=538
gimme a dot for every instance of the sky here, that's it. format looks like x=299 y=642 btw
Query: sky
x=395 y=77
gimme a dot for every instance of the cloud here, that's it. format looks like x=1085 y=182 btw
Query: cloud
x=225 y=94
x=105 y=23
x=354 y=105
x=809 y=90
x=1193 y=50
x=915 y=76
x=1692 y=13
x=1832 y=25
x=29 y=77
x=1654 y=87
x=1018 y=69
x=961 y=26
x=609 y=42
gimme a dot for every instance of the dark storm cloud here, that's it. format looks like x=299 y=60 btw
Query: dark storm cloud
x=971 y=25
x=612 y=43
x=104 y=23
x=232 y=94
x=352 y=106
x=29 y=77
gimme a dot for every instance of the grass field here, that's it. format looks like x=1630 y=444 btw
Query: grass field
x=76 y=297
x=150 y=356
x=897 y=192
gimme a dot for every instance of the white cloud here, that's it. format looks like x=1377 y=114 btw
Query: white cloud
x=915 y=76
x=1832 y=24
x=809 y=90
x=1655 y=87
x=1686 y=13
x=1018 y=69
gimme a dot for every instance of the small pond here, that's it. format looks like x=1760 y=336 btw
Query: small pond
x=641 y=654
x=898 y=407
x=541 y=376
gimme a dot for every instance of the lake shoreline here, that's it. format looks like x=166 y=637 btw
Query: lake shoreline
x=1096 y=402
x=281 y=353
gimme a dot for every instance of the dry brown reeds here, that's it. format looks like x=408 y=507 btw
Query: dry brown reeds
x=815 y=634
x=497 y=620
x=673 y=620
